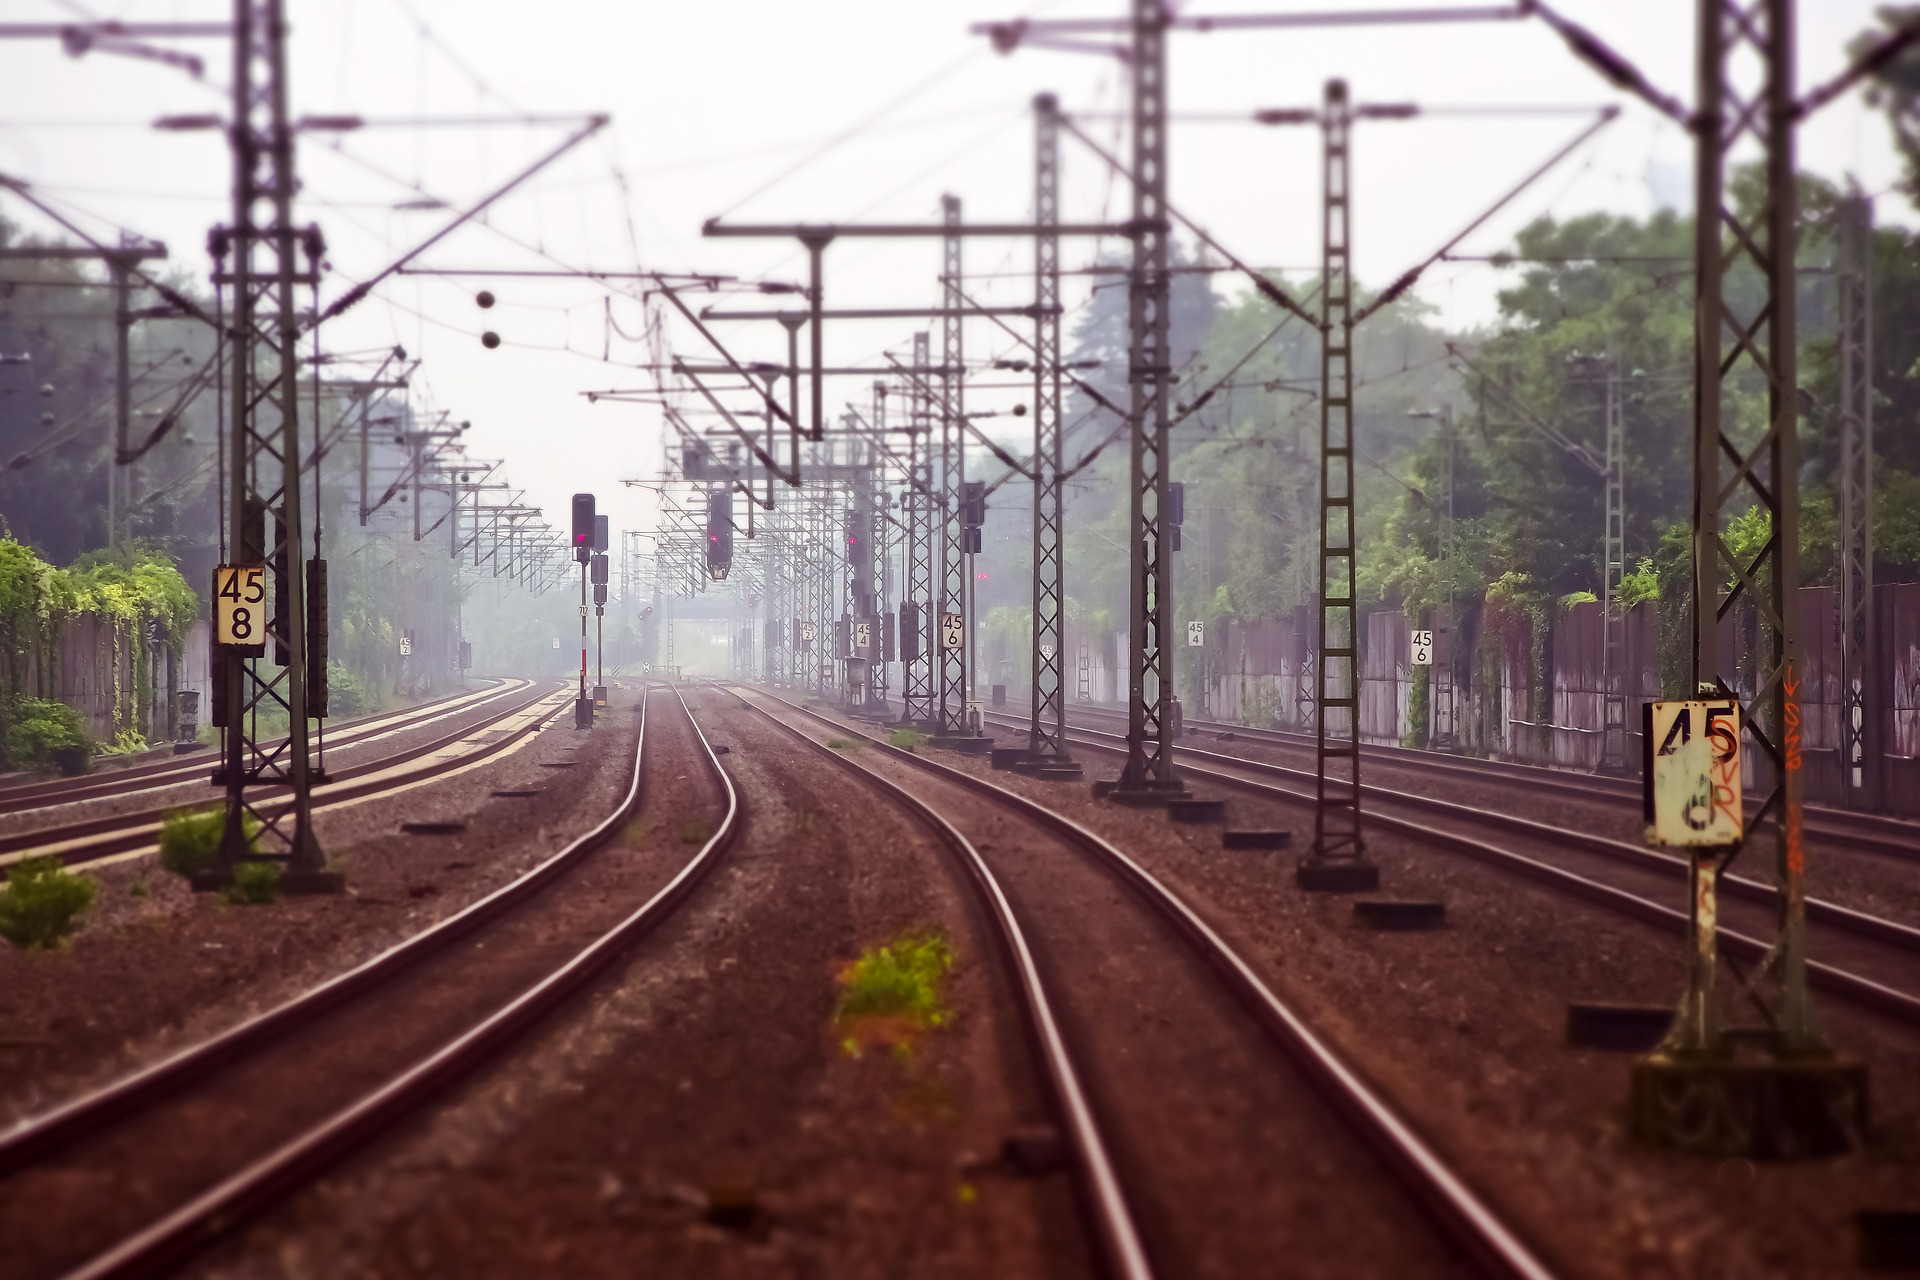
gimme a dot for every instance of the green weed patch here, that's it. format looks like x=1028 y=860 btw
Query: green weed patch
x=41 y=905
x=255 y=884
x=894 y=991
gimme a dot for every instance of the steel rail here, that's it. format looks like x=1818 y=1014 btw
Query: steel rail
x=1106 y=1199
x=1871 y=832
x=297 y=1162
x=1889 y=932
x=42 y=793
x=1902 y=1006
x=127 y=832
x=1455 y=1208
x=33 y=1138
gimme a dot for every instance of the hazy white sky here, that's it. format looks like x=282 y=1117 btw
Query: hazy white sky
x=729 y=106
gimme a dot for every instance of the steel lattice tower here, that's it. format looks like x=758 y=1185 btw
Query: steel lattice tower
x=1860 y=685
x=1336 y=815
x=1746 y=94
x=952 y=662
x=262 y=284
x=1047 y=736
x=1150 y=768
x=1613 y=614
x=917 y=680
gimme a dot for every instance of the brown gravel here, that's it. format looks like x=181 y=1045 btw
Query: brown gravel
x=709 y=1061
x=1229 y=1158
x=157 y=967
x=73 y=1204
x=1464 y=1030
x=1877 y=883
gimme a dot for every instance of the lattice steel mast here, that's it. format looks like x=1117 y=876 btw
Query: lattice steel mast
x=1338 y=850
x=917 y=675
x=952 y=661
x=1047 y=735
x=1860 y=682
x=1149 y=770
x=262 y=280
x=1613 y=565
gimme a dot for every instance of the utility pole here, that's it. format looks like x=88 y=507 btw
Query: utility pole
x=1802 y=1098
x=264 y=311
x=951 y=631
x=917 y=691
x=1613 y=564
x=1047 y=734
x=1862 y=688
x=1338 y=860
x=1149 y=775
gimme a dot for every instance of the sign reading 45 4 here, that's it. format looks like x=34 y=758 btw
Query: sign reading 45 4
x=239 y=608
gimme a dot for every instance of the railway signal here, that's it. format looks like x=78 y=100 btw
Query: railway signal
x=585 y=535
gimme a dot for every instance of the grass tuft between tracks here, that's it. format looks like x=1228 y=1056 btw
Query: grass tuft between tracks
x=42 y=902
x=845 y=744
x=894 y=991
x=908 y=739
x=255 y=884
x=696 y=831
x=190 y=837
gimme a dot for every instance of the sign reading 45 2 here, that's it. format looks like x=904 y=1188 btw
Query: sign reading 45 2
x=239 y=608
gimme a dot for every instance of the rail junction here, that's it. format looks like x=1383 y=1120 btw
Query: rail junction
x=1013 y=809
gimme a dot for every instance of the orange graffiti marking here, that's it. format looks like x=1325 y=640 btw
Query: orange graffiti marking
x=1796 y=848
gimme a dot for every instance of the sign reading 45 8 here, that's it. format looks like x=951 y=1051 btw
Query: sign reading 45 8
x=239 y=608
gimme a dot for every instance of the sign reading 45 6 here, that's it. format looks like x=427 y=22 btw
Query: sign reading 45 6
x=239 y=608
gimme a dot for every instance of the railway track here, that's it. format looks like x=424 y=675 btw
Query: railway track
x=1181 y=1002
x=1836 y=828
x=1870 y=961
x=41 y=793
x=498 y=729
x=267 y=1106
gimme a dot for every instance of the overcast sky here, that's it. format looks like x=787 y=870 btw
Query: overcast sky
x=834 y=109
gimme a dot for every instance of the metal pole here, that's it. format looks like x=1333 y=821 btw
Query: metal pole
x=1613 y=616
x=918 y=690
x=1047 y=733
x=952 y=662
x=1730 y=472
x=1861 y=687
x=1337 y=859
x=119 y=486
x=1149 y=771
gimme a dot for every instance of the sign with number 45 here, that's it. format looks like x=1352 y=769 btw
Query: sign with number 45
x=239 y=608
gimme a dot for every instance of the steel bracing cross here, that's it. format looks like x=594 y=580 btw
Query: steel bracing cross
x=1336 y=814
x=1613 y=564
x=952 y=662
x=261 y=284
x=1746 y=96
x=1047 y=735
x=1150 y=727
x=1860 y=683
x=917 y=680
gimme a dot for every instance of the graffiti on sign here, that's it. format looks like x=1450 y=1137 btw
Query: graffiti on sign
x=1692 y=767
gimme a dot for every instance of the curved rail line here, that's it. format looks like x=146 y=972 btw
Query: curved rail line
x=295 y=1163
x=1455 y=1208
x=91 y=839
x=41 y=793
x=1900 y=1005
x=1872 y=833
